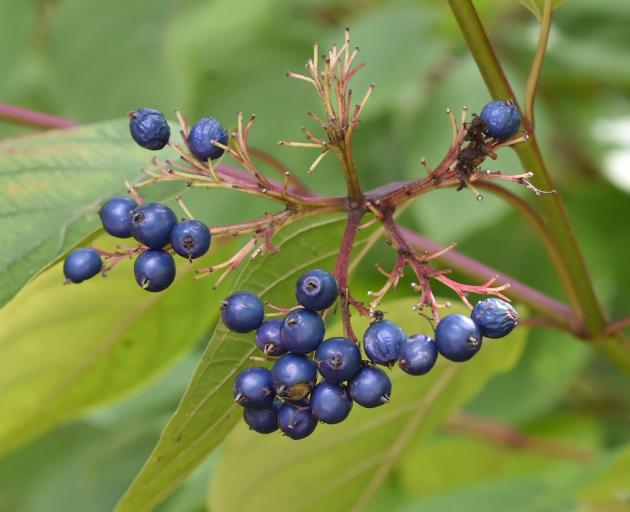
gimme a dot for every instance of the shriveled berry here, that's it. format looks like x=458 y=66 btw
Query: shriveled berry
x=502 y=119
x=81 y=264
x=152 y=223
x=494 y=317
x=293 y=376
x=268 y=338
x=115 y=216
x=330 y=402
x=316 y=289
x=190 y=239
x=149 y=128
x=253 y=388
x=242 y=312
x=154 y=270
x=417 y=354
x=382 y=342
x=201 y=136
x=370 y=387
x=302 y=331
x=338 y=359
x=457 y=337
x=296 y=420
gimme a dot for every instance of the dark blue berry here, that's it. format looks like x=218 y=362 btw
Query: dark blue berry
x=242 y=312
x=316 y=289
x=190 y=239
x=268 y=338
x=338 y=359
x=417 y=354
x=370 y=387
x=293 y=376
x=81 y=264
x=296 y=420
x=253 y=388
x=502 y=119
x=263 y=421
x=202 y=133
x=382 y=342
x=116 y=216
x=457 y=337
x=154 y=270
x=330 y=402
x=149 y=128
x=302 y=331
x=152 y=223
x=494 y=317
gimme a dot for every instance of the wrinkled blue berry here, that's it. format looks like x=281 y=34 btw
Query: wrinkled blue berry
x=494 y=317
x=154 y=270
x=502 y=119
x=338 y=359
x=242 y=312
x=268 y=338
x=202 y=133
x=330 y=402
x=81 y=264
x=190 y=239
x=115 y=216
x=293 y=376
x=296 y=420
x=457 y=337
x=417 y=354
x=382 y=342
x=152 y=223
x=316 y=289
x=253 y=388
x=370 y=387
x=149 y=128
x=302 y=331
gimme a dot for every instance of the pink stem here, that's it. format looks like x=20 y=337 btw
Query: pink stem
x=32 y=118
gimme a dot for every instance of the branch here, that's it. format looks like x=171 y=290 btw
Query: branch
x=26 y=117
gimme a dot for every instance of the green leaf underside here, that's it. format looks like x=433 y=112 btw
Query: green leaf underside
x=353 y=458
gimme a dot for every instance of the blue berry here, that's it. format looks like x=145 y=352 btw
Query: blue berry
x=502 y=119
x=81 y=264
x=302 y=331
x=457 y=337
x=382 y=342
x=417 y=354
x=338 y=359
x=316 y=289
x=296 y=420
x=370 y=387
x=242 y=312
x=494 y=317
x=154 y=270
x=293 y=376
x=330 y=402
x=152 y=223
x=268 y=338
x=253 y=388
x=149 y=128
x=202 y=133
x=115 y=216
x=263 y=421
x=190 y=239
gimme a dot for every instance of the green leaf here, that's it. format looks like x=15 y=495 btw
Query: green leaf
x=610 y=491
x=207 y=412
x=339 y=467
x=536 y=6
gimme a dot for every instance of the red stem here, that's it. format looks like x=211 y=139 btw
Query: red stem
x=32 y=118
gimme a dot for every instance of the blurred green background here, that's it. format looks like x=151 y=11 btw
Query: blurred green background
x=94 y=61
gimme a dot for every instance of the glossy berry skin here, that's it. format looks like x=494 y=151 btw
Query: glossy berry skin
x=268 y=338
x=296 y=420
x=330 y=402
x=502 y=119
x=316 y=289
x=263 y=421
x=152 y=223
x=201 y=135
x=242 y=312
x=149 y=128
x=338 y=359
x=370 y=387
x=154 y=270
x=293 y=376
x=115 y=216
x=382 y=342
x=81 y=264
x=457 y=337
x=494 y=317
x=190 y=239
x=417 y=354
x=253 y=389
x=302 y=331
